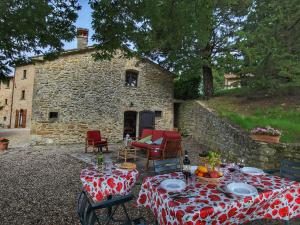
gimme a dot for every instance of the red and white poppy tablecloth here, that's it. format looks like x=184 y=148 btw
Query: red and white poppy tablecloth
x=101 y=185
x=205 y=204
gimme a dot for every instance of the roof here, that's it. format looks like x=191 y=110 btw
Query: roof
x=231 y=76
x=39 y=58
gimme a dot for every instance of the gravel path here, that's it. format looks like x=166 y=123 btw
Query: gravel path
x=39 y=185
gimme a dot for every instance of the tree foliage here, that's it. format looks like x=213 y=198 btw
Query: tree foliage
x=186 y=37
x=30 y=26
x=270 y=42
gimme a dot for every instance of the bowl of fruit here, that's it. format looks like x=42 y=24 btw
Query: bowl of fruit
x=209 y=173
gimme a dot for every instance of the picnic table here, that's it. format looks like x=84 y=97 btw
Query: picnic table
x=101 y=185
x=204 y=203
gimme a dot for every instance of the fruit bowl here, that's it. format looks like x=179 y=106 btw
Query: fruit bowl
x=209 y=179
x=206 y=175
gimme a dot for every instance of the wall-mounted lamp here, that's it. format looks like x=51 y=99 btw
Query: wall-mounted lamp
x=131 y=104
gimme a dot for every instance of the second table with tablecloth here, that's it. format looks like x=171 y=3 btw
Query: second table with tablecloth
x=100 y=184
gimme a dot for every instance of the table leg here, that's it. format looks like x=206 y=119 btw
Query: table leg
x=109 y=209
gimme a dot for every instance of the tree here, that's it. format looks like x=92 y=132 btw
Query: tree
x=270 y=42
x=30 y=26
x=186 y=37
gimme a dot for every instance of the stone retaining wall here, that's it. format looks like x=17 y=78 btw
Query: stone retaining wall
x=206 y=127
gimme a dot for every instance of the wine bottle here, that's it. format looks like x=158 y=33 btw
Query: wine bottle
x=186 y=166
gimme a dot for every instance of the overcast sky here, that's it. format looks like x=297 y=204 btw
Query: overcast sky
x=84 y=21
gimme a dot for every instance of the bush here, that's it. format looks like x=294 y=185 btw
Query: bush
x=187 y=88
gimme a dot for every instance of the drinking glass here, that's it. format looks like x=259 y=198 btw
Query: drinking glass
x=94 y=162
x=241 y=163
x=223 y=163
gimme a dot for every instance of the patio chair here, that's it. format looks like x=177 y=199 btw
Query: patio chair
x=167 y=166
x=170 y=148
x=93 y=139
x=288 y=169
x=86 y=210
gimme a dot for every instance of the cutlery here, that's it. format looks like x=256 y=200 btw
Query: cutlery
x=227 y=194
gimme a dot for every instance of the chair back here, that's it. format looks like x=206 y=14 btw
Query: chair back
x=93 y=135
x=85 y=211
x=171 y=145
x=167 y=165
x=290 y=170
x=146 y=133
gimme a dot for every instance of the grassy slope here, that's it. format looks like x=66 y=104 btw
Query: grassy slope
x=248 y=110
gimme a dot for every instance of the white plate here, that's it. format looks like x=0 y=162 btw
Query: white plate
x=193 y=169
x=252 y=171
x=242 y=189
x=173 y=185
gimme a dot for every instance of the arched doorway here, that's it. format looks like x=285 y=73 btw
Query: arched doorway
x=130 y=123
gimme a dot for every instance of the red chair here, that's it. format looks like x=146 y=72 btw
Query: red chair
x=93 y=139
x=169 y=148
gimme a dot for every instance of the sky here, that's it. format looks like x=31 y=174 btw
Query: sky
x=84 y=20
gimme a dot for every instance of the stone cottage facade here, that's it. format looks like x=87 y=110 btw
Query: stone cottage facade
x=74 y=93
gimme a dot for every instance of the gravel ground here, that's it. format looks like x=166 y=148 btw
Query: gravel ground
x=40 y=184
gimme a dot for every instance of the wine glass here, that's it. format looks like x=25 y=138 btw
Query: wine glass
x=241 y=163
x=223 y=162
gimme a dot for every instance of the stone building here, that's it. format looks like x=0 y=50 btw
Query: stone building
x=22 y=96
x=6 y=102
x=232 y=81
x=74 y=93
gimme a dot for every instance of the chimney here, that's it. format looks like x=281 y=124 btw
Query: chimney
x=82 y=38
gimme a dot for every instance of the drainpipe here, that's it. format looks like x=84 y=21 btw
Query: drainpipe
x=12 y=98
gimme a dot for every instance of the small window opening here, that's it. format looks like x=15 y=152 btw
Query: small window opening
x=158 y=113
x=53 y=116
x=4 y=118
x=23 y=95
x=131 y=79
x=24 y=74
x=6 y=102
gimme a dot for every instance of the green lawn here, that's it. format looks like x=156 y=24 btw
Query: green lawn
x=286 y=121
x=250 y=108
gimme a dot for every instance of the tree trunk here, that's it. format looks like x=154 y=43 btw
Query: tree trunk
x=208 y=88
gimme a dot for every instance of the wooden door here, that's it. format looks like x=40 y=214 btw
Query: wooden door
x=24 y=114
x=17 y=119
x=147 y=120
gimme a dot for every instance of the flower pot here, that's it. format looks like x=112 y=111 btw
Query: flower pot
x=265 y=138
x=3 y=145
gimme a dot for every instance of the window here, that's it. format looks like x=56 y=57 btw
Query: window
x=131 y=79
x=24 y=74
x=23 y=95
x=53 y=116
x=6 y=101
x=4 y=118
x=158 y=113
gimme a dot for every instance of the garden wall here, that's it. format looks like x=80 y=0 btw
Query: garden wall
x=206 y=127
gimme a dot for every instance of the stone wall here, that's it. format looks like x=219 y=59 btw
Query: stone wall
x=89 y=94
x=5 y=108
x=206 y=127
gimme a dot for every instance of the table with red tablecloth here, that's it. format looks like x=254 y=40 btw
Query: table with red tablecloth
x=204 y=203
x=100 y=184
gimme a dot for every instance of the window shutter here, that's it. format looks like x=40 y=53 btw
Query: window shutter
x=17 y=119
x=24 y=114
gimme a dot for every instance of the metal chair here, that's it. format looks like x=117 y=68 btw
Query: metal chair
x=288 y=169
x=167 y=165
x=86 y=210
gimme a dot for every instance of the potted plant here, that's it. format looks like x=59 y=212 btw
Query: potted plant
x=266 y=134
x=4 y=143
